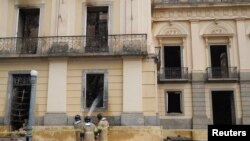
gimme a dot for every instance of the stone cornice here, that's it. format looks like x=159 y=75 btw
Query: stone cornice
x=201 y=13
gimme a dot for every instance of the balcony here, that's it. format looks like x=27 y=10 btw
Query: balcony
x=193 y=2
x=222 y=74
x=126 y=44
x=173 y=74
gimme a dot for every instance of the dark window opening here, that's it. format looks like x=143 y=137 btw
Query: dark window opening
x=28 y=25
x=223 y=107
x=219 y=61
x=174 y=102
x=20 y=101
x=97 y=29
x=172 y=62
x=95 y=90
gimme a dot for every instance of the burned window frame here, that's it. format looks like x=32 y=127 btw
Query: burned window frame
x=97 y=4
x=181 y=103
x=84 y=89
x=9 y=93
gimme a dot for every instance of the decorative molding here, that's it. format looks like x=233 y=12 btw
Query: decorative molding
x=201 y=13
x=217 y=30
x=207 y=38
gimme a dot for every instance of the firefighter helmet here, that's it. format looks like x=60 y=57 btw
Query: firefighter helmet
x=99 y=116
x=77 y=117
x=87 y=119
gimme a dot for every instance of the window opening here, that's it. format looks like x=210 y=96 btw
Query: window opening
x=223 y=107
x=27 y=33
x=97 y=29
x=172 y=62
x=95 y=90
x=174 y=102
x=20 y=101
x=219 y=61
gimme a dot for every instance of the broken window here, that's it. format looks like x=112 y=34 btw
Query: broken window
x=172 y=62
x=27 y=33
x=173 y=99
x=97 y=29
x=94 y=90
x=219 y=61
x=20 y=101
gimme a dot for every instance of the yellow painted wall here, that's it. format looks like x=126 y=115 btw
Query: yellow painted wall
x=41 y=65
x=187 y=101
x=74 y=84
x=45 y=15
x=149 y=96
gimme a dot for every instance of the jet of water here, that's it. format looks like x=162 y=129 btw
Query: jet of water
x=94 y=104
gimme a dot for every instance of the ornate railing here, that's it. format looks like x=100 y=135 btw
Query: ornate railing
x=197 y=1
x=175 y=73
x=127 y=44
x=222 y=73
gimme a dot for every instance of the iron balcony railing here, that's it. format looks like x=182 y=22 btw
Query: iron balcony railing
x=222 y=73
x=127 y=44
x=197 y=1
x=174 y=73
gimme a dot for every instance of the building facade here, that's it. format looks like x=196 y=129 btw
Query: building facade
x=83 y=50
x=175 y=64
x=203 y=72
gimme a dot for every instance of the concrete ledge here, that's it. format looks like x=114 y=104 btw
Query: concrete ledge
x=176 y=123
x=114 y=120
x=200 y=122
x=152 y=120
x=55 y=119
x=132 y=119
x=245 y=76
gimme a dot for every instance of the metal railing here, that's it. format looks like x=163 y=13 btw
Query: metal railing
x=222 y=73
x=174 y=73
x=125 y=44
x=197 y=1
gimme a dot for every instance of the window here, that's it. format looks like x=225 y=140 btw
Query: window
x=172 y=62
x=219 y=61
x=28 y=25
x=95 y=89
x=20 y=100
x=97 y=29
x=173 y=102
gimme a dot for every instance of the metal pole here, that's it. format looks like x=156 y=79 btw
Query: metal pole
x=33 y=74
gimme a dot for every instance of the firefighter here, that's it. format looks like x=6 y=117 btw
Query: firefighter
x=89 y=129
x=102 y=127
x=78 y=125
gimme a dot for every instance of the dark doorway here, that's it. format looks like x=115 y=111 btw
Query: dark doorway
x=95 y=90
x=172 y=62
x=219 y=61
x=97 y=29
x=223 y=107
x=20 y=101
x=28 y=27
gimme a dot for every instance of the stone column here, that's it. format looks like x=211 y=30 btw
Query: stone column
x=132 y=92
x=198 y=78
x=33 y=74
x=244 y=70
x=56 y=100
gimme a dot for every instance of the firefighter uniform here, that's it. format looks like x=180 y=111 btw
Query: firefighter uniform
x=78 y=126
x=89 y=130
x=102 y=128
